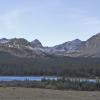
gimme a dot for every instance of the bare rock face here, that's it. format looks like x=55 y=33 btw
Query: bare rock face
x=91 y=47
x=22 y=48
x=70 y=46
x=36 y=44
x=65 y=48
x=78 y=48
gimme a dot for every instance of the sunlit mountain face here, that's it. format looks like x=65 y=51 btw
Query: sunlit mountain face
x=22 y=48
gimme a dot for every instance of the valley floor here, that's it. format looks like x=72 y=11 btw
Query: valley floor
x=18 y=93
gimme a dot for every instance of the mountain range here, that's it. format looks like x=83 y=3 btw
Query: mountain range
x=20 y=47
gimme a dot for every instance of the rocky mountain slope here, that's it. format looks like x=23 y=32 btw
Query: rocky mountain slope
x=91 y=47
x=22 y=48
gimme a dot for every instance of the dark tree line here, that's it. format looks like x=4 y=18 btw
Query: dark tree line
x=59 y=66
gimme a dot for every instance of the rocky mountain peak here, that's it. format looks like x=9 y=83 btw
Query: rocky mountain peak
x=77 y=40
x=18 y=42
x=36 y=44
x=69 y=46
x=74 y=48
x=93 y=41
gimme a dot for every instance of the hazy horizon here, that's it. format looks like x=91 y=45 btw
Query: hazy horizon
x=50 y=21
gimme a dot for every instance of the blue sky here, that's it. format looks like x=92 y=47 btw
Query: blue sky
x=50 y=21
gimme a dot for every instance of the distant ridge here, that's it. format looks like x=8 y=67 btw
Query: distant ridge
x=22 y=48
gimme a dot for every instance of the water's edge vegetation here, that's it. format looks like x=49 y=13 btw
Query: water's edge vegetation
x=59 y=84
x=51 y=66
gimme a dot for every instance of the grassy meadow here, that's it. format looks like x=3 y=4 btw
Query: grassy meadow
x=18 y=93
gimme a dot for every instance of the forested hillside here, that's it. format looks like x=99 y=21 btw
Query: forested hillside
x=66 y=66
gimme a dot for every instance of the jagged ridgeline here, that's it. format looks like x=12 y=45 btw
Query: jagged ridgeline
x=73 y=58
x=22 y=48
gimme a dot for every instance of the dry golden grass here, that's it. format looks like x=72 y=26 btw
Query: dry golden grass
x=45 y=94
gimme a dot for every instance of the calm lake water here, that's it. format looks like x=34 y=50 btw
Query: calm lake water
x=23 y=78
x=39 y=78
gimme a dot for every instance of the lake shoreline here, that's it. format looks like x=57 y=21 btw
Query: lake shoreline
x=40 y=78
x=60 y=84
